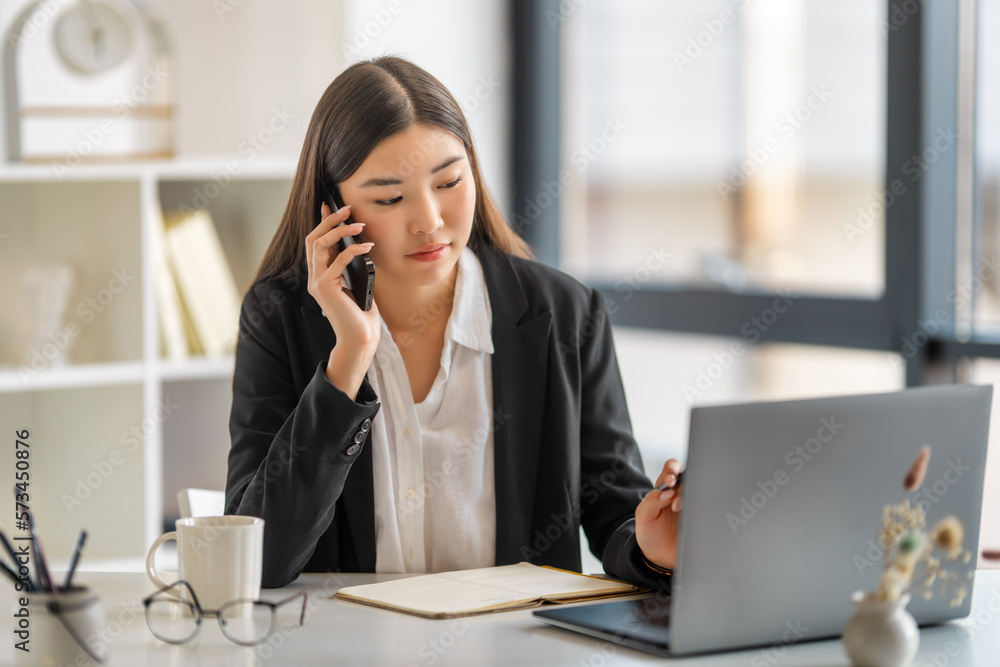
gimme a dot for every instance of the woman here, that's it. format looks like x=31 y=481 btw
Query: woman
x=474 y=416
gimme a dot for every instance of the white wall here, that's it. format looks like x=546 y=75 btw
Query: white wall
x=461 y=43
x=235 y=62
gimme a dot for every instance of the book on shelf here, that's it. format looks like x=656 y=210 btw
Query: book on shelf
x=173 y=337
x=484 y=590
x=209 y=303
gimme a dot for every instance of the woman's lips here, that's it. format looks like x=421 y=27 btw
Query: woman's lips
x=430 y=253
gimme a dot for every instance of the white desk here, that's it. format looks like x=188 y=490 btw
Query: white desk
x=344 y=633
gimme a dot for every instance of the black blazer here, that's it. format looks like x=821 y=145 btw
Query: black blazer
x=564 y=451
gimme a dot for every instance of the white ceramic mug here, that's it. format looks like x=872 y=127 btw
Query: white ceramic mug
x=59 y=630
x=220 y=556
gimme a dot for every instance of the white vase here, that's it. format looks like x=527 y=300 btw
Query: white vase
x=881 y=633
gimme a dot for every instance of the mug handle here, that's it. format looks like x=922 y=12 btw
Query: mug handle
x=154 y=576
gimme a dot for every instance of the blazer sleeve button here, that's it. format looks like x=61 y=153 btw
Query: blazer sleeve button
x=359 y=437
x=353 y=449
x=366 y=424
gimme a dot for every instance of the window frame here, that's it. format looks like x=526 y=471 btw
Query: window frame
x=924 y=227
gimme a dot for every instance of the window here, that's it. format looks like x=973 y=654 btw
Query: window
x=744 y=139
x=702 y=162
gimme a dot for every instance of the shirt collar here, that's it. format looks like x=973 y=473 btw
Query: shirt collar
x=471 y=321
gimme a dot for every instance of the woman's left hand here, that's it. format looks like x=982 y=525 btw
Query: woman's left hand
x=657 y=516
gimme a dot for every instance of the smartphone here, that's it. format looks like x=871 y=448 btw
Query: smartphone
x=360 y=273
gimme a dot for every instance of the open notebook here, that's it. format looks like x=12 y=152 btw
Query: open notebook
x=484 y=590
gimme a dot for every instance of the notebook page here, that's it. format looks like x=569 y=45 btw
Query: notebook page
x=435 y=595
x=540 y=582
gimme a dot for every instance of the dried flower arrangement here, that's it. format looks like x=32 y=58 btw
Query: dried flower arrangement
x=914 y=559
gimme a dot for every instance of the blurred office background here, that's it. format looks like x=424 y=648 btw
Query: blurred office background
x=778 y=198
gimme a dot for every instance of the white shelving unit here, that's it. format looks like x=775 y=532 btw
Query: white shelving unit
x=116 y=431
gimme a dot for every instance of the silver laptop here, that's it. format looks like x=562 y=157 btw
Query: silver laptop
x=783 y=503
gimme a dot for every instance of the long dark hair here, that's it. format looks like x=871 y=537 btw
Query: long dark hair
x=368 y=102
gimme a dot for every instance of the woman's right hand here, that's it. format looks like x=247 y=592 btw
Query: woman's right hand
x=658 y=515
x=357 y=330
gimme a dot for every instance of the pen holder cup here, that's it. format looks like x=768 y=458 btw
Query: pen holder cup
x=54 y=630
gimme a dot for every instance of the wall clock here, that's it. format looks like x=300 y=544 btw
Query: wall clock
x=92 y=37
x=86 y=81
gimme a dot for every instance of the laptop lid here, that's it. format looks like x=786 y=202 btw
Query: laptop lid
x=783 y=502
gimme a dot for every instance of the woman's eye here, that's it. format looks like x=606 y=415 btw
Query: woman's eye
x=396 y=200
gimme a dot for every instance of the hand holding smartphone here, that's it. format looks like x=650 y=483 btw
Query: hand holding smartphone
x=360 y=272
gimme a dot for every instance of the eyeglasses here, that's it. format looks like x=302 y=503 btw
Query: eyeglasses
x=245 y=622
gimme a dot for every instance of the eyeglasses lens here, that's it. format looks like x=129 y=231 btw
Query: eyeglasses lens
x=246 y=622
x=172 y=621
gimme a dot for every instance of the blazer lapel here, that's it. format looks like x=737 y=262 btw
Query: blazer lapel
x=520 y=360
x=359 y=486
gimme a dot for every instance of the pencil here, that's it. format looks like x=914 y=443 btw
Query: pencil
x=80 y=539
x=43 y=569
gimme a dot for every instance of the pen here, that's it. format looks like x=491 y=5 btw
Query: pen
x=80 y=539
x=664 y=487
x=44 y=578
x=43 y=570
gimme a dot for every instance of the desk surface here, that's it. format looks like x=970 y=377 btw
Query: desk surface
x=353 y=634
